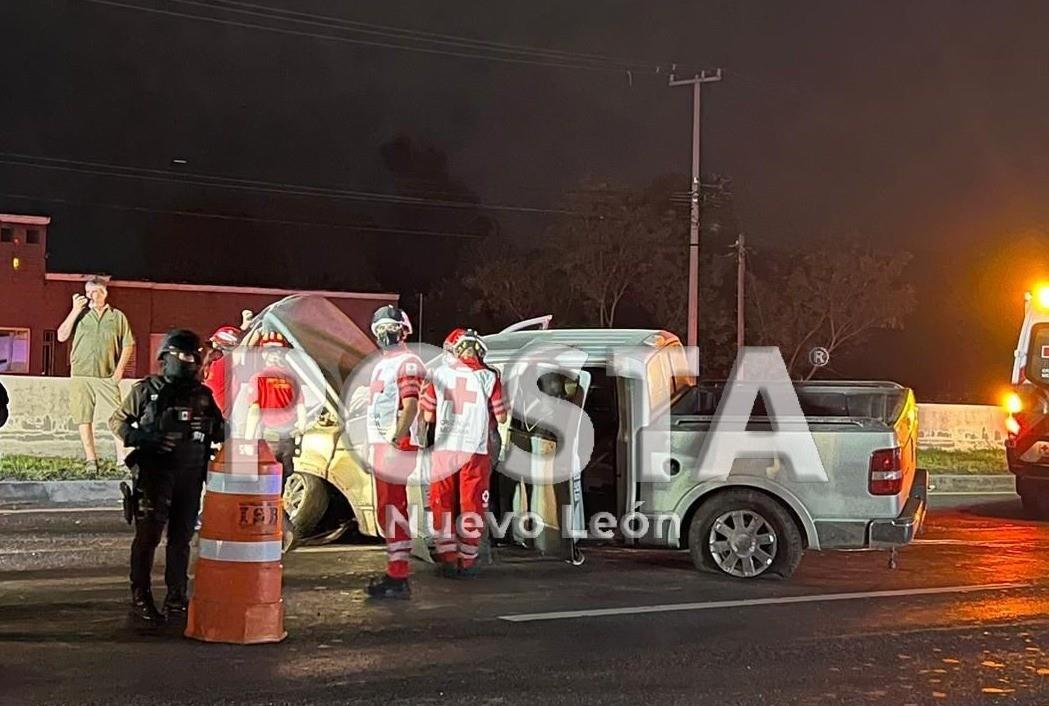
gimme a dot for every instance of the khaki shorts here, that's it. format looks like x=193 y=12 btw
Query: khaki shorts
x=86 y=395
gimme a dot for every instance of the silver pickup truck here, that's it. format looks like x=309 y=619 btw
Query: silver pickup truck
x=752 y=522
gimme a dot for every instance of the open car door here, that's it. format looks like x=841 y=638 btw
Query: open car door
x=556 y=506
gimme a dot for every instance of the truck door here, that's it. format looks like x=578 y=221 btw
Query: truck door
x=555 y=507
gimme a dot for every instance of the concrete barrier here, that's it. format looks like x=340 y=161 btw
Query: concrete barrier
x=951 y=484
x=40 y=423
x=98 y=493
x=961 y=427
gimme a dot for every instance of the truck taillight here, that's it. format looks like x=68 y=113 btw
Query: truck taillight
x=886 y=475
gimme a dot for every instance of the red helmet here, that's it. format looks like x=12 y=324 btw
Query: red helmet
x=470 y=340
x=273 y=339
x=226 y=337
x=452 y=339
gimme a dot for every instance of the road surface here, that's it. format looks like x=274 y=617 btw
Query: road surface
x=964 y=619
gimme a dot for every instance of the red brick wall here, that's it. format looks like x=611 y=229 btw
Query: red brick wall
x=39 y=304
x=22 y=290
x=154 y=311
x=28 y=299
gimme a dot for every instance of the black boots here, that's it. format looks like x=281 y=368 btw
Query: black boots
x=389 y=587
x=144 y=611
x=176 y=604
x=447 y=569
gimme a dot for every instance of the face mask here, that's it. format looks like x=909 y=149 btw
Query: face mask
x=178 y=370
x=388 y=337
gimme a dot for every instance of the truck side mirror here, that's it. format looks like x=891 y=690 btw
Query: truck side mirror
x=1036 y=367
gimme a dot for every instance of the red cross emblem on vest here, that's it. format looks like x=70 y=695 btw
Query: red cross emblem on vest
x=460 y=396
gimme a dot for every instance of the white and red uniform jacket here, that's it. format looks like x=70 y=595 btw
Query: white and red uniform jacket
x=463 y=400
x=396 y=377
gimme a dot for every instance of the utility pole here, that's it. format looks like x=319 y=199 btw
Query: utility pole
x=693 y=241
x=420 y=317
x=741 y=283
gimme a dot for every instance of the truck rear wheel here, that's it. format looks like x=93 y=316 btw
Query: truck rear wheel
x=745 y=534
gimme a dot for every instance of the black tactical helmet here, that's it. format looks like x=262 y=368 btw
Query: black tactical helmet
x=391 y=314
x=180 y=340
x=390 y=326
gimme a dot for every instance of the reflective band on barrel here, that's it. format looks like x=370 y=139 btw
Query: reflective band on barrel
x=269 y=484
x=224 y=550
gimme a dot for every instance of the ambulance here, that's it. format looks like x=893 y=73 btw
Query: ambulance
x=1027 y=423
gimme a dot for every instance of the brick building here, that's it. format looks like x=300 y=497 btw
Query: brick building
x=33 y=303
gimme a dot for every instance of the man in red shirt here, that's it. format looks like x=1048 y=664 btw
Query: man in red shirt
x=276 y=409
x=216 y=373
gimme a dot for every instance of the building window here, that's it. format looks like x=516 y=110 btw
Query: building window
x=14 y=350
x=7 y=235
x=49 y=351
x=32 y=237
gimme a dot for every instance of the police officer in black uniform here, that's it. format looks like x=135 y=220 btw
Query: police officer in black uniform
x=170 y=420
x=4 y=401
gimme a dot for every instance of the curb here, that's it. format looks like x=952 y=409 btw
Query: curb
x=940 y=484
x=59 y=492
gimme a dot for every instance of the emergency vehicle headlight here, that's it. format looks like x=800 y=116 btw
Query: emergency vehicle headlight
x=1012 y=403
x=1041 y=296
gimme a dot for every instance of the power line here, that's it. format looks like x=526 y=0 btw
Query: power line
x=349 y=40
x=418 y=35
x=250 y=219
x=256 y=185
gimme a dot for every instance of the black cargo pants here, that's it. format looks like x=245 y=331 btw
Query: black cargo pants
x=169 y=498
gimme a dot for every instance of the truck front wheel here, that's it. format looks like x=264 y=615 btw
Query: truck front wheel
x=1034 y=497
x=306 y=500
x=745 y=534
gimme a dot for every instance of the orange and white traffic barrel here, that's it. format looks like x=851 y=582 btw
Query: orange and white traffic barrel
x=237 y=589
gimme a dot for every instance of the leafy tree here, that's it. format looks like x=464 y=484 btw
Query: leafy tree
x=508 y=287
x=666 y=286
x=831 y=296
x=609 y=244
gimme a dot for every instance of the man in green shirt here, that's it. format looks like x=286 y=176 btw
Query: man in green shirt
x=101 y=349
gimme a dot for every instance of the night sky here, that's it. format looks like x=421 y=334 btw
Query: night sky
x=914 y=125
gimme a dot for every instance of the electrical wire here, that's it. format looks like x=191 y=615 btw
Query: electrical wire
x=419 y=35
x=237 y=183
x=249 y=219
x=349 y=40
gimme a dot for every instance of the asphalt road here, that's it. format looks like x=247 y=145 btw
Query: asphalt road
x=964 y=619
